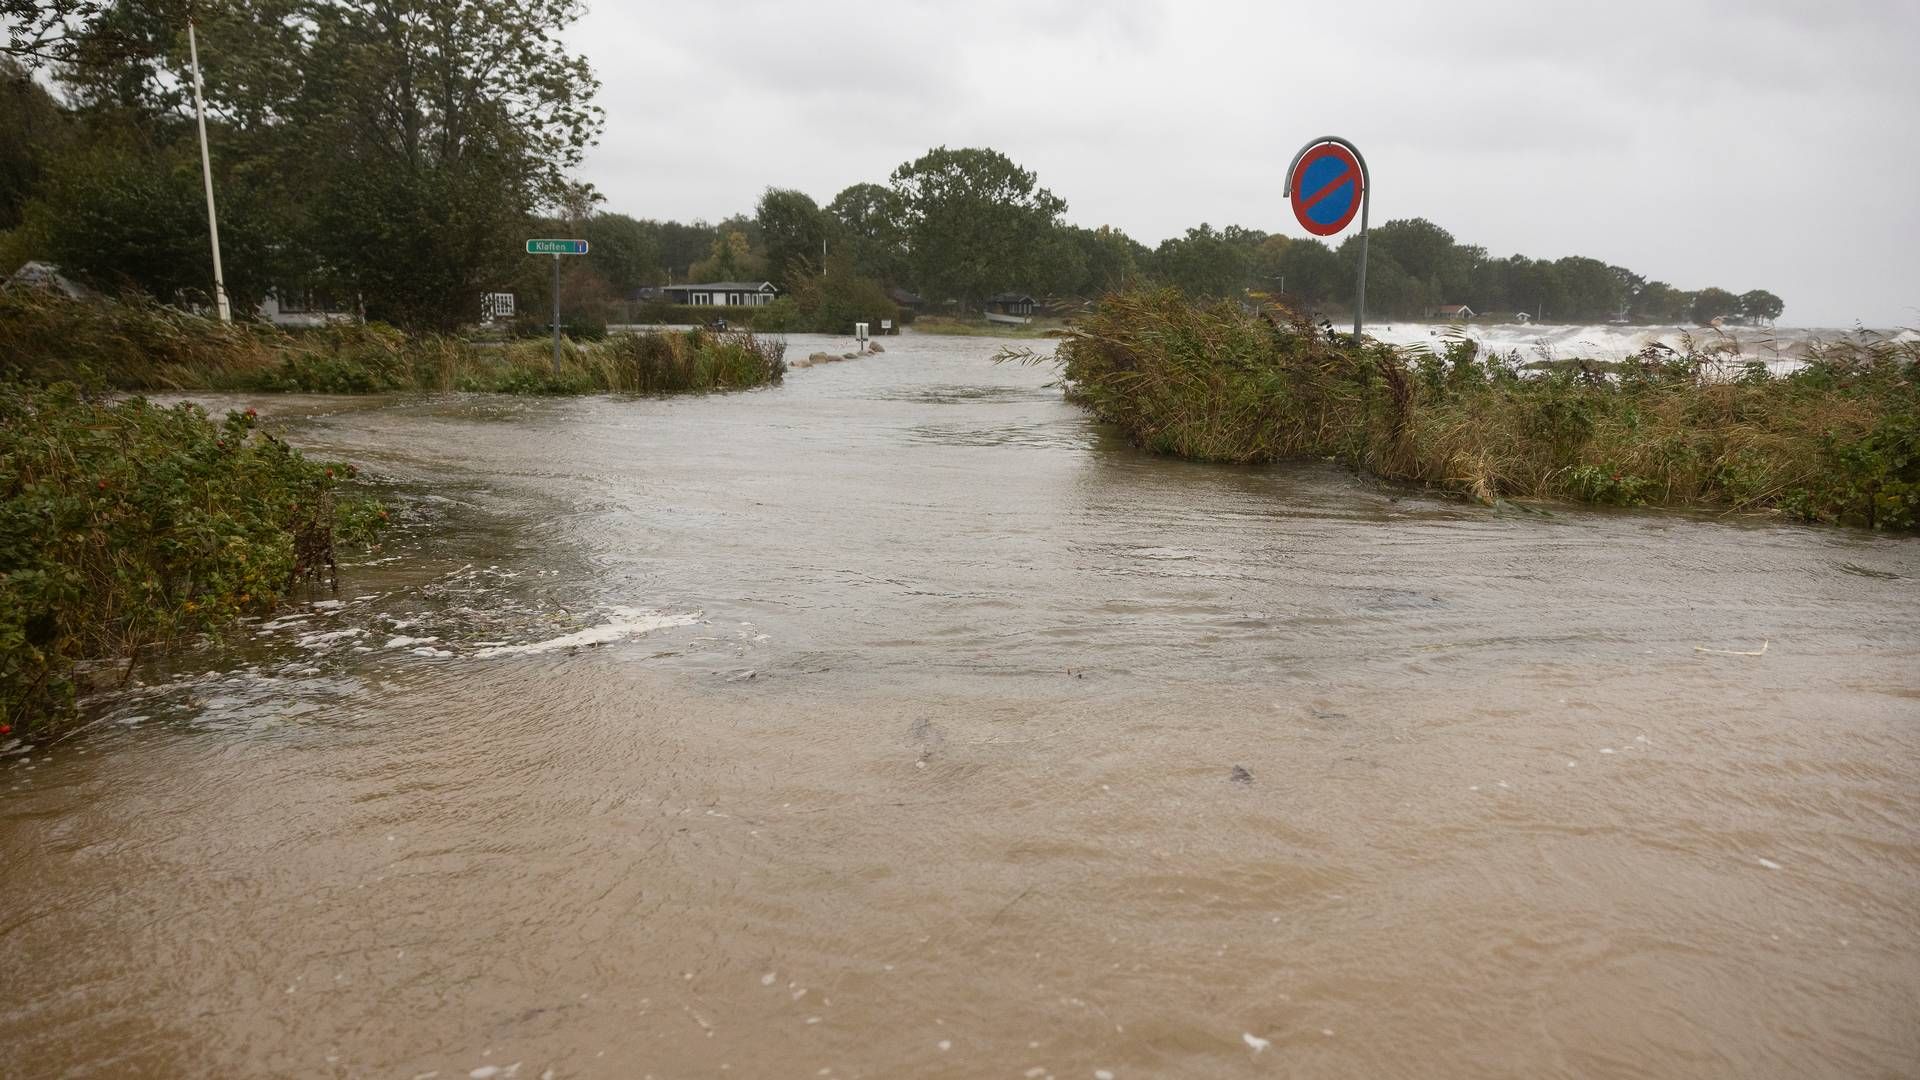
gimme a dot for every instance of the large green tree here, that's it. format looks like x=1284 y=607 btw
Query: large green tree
x=122 y=214
x=971 y=218
x=793 y=229
x=867 y=223
x=33 y=132
x=1205 y=262
x=624 y=251
x=406 y=143
x=1759 y=305
x=430 y=131
x=1711 y=303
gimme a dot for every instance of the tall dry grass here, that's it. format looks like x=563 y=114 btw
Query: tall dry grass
x=1837 y=440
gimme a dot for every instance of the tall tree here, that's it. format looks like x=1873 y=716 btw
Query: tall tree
x=792 y=231
x=1205 y=262
x=866 y=221
x=625 y=252
x=970 y=216
x=1759 y=305
x=33 y=131
x=1711 y=303
x=732 y=259
x=430 y=130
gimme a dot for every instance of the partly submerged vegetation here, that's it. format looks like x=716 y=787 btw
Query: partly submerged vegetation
x=138 y=344
x=1837 y=440
x=126 y=526
x=956 y=326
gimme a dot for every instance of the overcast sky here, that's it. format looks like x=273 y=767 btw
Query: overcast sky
x=1741 y=143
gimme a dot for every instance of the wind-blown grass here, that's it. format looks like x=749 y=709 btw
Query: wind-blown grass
x=1837 y=440
x=137 y=344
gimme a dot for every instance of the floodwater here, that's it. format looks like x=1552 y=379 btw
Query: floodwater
x=900 y=721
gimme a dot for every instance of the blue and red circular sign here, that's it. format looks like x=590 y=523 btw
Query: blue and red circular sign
x=1326 y=189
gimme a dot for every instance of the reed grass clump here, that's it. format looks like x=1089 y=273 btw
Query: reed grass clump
x=1837 y=440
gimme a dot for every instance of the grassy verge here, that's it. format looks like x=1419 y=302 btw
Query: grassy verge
x=140 y=345
x=125 y=526
x=1836 y=441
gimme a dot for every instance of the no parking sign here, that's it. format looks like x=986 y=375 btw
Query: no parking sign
x=1328 y=184
x=1327 y=188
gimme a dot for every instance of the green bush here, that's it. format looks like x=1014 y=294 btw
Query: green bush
x=125 y=526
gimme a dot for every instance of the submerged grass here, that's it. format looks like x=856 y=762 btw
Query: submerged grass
x=1837 y=440
x=126 y=526
x=137 y=344
x=950 y=326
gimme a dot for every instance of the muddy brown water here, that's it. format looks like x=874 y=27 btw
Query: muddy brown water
x=900 y=721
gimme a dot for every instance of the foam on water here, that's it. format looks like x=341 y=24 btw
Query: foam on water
x=626 y=623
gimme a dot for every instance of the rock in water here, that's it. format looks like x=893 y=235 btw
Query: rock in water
x=1240 y=775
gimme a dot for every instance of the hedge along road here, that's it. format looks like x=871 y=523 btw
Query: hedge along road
x=899 y=721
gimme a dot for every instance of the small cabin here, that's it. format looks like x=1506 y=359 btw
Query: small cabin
x=1451 y=312
x=722 y=294
x=1011 y=303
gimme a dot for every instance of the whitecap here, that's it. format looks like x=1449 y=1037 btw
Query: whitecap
x=626 y=623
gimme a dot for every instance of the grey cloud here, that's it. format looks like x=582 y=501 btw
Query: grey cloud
x=1673 y=137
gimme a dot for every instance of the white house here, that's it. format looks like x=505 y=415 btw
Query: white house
x=1450 y=311
x=723 y=294
x=304 y=307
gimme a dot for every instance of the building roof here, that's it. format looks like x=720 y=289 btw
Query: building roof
x=725 y=286
x=901 y=296
x=40 y=275
x=1452 y=309
x=1009 y=298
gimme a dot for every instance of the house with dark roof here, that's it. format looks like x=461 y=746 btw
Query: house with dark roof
x=1010 y=303
x=722 y=294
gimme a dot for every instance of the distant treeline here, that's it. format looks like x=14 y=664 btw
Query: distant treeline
x=960 y=225
x=391 y=159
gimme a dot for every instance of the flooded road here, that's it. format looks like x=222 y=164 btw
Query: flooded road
x=899 y=721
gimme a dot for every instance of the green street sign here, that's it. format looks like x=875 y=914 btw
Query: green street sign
x=556 y=247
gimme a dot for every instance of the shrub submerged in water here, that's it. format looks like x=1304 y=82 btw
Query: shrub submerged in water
x=1837 y=440
x=127 y=525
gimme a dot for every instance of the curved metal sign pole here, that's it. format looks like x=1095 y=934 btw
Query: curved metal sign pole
x=1366 y=196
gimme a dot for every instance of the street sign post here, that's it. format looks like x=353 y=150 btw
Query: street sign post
x=556 y=248
x=1328 y=184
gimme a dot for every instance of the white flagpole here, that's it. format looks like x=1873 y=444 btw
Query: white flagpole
x=206 y=174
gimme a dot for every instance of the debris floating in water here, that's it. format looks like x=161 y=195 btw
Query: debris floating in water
x=1255 y=1042
x=1240 y=775
x=1770 y=864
